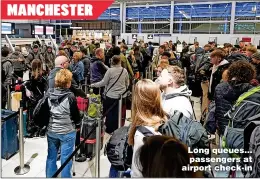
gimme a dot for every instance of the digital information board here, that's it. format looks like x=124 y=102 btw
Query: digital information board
x=38 y=30
x=49 y=30
x=7 y=28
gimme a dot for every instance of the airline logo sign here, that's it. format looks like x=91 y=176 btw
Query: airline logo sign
x=134 y=36
x=150 y=36
x=57 y=9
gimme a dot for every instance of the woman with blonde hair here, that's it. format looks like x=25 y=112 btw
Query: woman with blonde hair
x=77 y=68
x=35 y=89
x=147 y=112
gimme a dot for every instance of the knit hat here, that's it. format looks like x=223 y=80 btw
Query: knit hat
x=256 y=56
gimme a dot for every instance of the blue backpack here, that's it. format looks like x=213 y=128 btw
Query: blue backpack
x=210 y=122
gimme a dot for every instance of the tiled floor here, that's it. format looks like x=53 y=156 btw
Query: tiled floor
x=39 y=146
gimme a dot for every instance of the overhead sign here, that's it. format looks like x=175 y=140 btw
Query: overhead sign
x=134 y=36
x=150 y=36
x=7 y=28
x=162 y=35
x=57 y=9
x=49 y=30
x=246 y=39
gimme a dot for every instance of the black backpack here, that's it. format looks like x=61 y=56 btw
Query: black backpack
x=118 y=151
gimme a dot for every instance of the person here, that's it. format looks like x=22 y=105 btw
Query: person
x=18 y=62
x=219 y=66
x=97 y=69
x=164 y=157
x=91 y=49
x=35 y=89
x=176 y=95
x=62 y=62
x=250 y=50
x=62 y=53
x=86 y=62
x=157 y=58
x=77 y=68
x=48 y=62
x=124 y=60
x=239 y=75
x=61 y=131
x=256 y=63
x=116 y=81
x=7 y=74
x=35 y=54
x=150 y=48
x=135 y=64
x=108 y=54
x=147 y=112
x=241 y=45
x=197 y=47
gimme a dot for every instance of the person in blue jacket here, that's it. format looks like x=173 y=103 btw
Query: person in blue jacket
x=77 y=68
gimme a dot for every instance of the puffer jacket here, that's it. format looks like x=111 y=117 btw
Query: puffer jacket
x=64 y=113
x=226 y=95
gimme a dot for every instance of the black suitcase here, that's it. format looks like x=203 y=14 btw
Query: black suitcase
x=89 y=148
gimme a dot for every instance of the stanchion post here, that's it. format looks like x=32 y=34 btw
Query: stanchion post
x=98 y=139
x=120 y=104
x=86 y=83
x=22 y=168
x=8 y=97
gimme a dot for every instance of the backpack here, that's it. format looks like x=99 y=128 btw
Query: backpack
x=241 y=115
x=210 y=121
x=41 y=113
x=118 y=151
x=95 y=106
x=188 y=131
x=251 y=143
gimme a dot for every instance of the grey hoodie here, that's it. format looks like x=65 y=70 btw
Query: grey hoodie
x=64 y=113
x=178 y=100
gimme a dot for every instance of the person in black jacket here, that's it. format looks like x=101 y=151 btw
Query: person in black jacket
x=219 y=66
x=239 y=74
x=35 y=89
x=86 y=62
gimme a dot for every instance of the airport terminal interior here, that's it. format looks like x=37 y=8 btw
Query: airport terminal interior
x=155 y=85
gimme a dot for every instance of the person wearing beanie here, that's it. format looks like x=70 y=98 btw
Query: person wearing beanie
x=256 y=62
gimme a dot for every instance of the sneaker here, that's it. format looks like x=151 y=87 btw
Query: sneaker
x=80 y=158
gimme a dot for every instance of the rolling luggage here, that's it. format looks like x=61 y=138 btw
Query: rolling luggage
x=10 y=145
x=89 y=148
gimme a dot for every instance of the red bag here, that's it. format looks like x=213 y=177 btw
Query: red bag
x=82 y=104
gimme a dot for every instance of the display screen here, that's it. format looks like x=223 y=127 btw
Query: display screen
x=37 y=30
x=7 y=28
x=49 y=30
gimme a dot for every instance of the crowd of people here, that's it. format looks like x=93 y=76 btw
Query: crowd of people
x=218 y=75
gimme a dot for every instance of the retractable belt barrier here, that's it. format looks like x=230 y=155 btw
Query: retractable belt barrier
x=98 y=134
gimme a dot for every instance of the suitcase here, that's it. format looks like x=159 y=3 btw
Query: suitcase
x=16 y=97
x=82 y=104
x=89 y=148
x=10 y=145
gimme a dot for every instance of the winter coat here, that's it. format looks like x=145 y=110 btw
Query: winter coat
x=216 y=78
x=97 y=70
x=64 y=113
x=178 y=100
x=226 y=95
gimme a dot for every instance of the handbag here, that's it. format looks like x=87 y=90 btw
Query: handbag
x=104 y=94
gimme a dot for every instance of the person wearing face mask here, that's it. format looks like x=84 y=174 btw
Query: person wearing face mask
x=219 y=66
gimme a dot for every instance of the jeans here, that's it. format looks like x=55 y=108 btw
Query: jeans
x=66 y=143
x=114 y=173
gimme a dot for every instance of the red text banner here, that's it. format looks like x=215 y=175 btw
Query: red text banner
x=57 y=9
